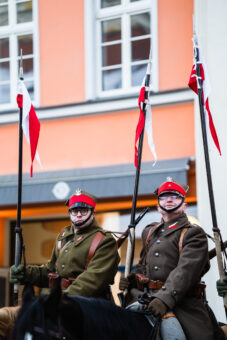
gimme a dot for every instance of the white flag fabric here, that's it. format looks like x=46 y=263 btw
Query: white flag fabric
x=30 y=122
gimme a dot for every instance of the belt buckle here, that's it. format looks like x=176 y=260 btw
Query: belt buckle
x=65 y=283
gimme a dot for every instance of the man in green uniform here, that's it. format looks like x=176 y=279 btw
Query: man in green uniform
x=84 y=255
x=173 y=259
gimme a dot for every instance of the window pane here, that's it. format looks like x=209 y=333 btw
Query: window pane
x=140 y=24
x=4 y=48
x=111 y=55
x=4 y=71
x=137 y=75
x=111 y=30
x=27 y=68
x=140 y=49
x=4 y=94
x=24 y=12
x=109 y=3
x=26 y=43
x=111 y=79
x=30 y=87
x=4 y=15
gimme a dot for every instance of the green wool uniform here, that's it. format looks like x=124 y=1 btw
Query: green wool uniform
x=69 y=259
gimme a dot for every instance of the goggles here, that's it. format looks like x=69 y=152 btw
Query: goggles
x=83 y=211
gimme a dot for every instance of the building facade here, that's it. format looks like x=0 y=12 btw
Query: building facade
x=84 y=62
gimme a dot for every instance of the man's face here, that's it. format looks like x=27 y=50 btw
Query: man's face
x=80 y=214
x=169 y=201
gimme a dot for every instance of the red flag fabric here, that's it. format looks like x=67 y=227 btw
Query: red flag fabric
x=30 y=122
x=140 y=124
x=206 y=91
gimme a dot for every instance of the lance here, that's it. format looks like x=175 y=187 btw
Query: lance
x=216 y=230
x=18 y=230
x=131 y=238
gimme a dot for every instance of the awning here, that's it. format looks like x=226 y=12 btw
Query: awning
x=103 y=182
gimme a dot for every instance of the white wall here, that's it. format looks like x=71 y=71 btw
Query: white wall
x=211 y=27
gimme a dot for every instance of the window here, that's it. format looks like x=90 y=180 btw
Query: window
x=16 y=34
x=126 y=29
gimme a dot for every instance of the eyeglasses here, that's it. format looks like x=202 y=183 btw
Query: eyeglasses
x=75 y=211
x=165 y=197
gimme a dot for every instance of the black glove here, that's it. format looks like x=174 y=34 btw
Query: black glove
x=126 y=282
x=157 y=307
x=17 y=274
x=222 y=286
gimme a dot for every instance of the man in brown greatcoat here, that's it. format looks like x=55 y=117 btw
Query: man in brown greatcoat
x=174 y=257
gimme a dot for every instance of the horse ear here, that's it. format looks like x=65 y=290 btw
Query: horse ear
x=28 y=293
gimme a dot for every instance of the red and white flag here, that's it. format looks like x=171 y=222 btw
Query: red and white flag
x=206 y=89
x=144 y=122
x=30 y=122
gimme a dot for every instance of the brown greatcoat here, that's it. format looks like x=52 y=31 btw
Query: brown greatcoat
x=69 y=258
x=179 y=272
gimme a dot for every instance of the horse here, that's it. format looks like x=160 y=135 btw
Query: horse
x=58 y=316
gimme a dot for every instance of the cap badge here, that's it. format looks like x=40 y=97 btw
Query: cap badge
x=78 y=192
x=169 y=179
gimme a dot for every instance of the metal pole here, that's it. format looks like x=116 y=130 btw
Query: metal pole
x=19 y=193
x=215 y=228
x=131 y=238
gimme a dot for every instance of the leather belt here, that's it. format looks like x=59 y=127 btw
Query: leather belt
x=197 y=291
x=55 y=279
x=65 y=283
x=156 y=284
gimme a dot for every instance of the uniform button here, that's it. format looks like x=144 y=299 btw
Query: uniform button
x=155 y=267
x=66 y=250
x=162 y=230
x=163 y=287
x=63 y=266
x=174 y=292
x=156 y=254
x=158 y=241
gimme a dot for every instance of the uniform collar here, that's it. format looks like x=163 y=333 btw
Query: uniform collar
x=175 y=224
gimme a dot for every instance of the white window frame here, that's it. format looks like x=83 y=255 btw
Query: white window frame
x=12 y=31
x=93 y=18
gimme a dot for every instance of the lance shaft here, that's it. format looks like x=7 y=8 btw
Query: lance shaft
x=216 y=230
x=131 y=240
x=18 y=244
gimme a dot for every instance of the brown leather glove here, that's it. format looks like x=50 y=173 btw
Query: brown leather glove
x=157 y=307
x=126 y=282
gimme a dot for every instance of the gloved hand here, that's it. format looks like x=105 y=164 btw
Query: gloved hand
x=17 y=274
x=125 y=282
x=157 y=307
x=222 y=286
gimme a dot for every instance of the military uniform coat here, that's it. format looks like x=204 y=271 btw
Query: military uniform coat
x=179 y=272
x=69 y=259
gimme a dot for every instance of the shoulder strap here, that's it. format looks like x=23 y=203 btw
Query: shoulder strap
x=94 y=244
x=151 y=230
x=183 y=231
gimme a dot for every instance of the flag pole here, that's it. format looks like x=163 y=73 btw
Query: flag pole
x=216 y=230
x=18 y=244
x=131 y=238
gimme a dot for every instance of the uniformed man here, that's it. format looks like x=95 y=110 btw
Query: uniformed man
x=84 y=255
x=173 y=259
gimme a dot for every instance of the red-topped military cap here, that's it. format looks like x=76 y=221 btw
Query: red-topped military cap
x=170 y=185
x=81 y=198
